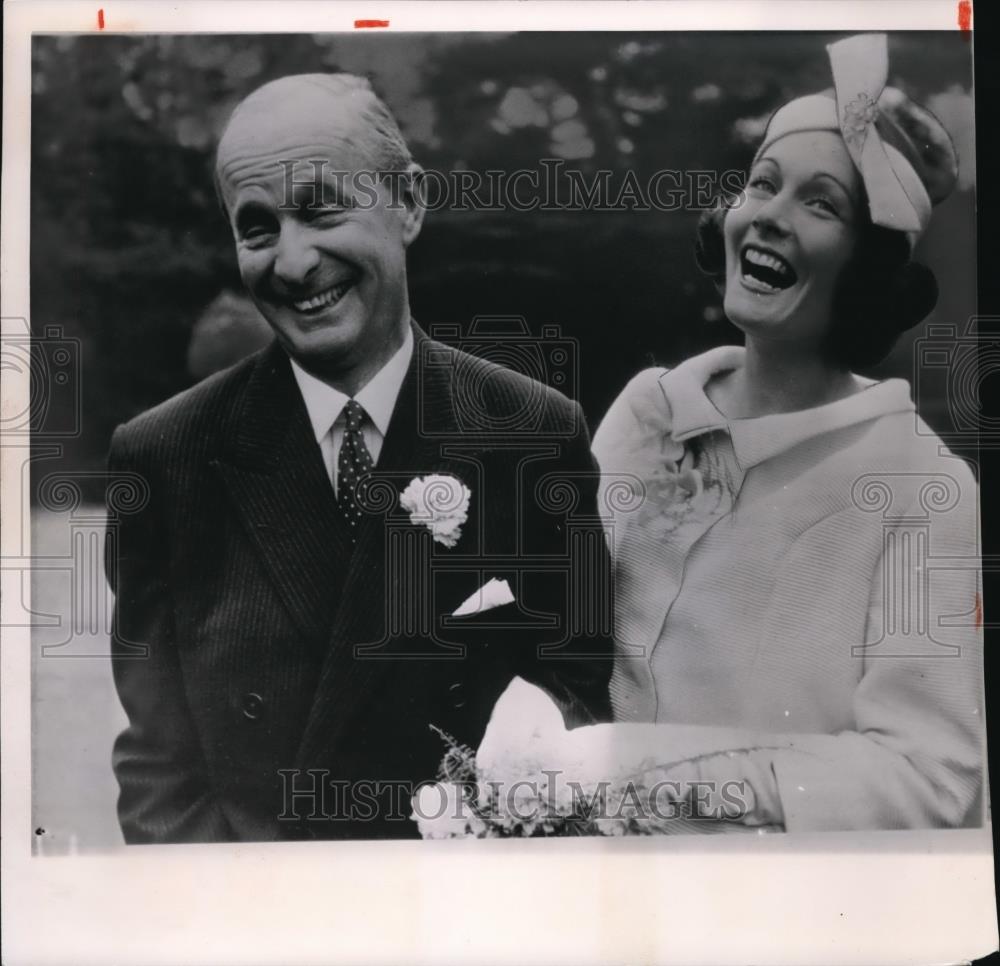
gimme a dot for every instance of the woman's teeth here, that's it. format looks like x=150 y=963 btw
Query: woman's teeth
x=325 y=299
x=760 y=284
x=763 y=258
x=766 y=271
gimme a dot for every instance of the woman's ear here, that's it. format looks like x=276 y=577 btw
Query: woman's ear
x=411 y=195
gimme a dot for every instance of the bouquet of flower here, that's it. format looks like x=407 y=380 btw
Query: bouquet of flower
x=533 y=777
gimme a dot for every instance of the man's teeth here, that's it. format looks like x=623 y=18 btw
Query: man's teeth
x=324 y=299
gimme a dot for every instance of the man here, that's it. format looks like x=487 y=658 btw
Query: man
x=286 y=635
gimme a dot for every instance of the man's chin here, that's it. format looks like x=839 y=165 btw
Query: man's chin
x=330 y=343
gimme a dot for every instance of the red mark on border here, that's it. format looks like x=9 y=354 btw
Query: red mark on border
x=100 y=19
x=964 y=14
x=362 y=24
x=979 y=613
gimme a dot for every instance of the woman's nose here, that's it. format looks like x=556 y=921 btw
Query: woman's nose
x=296 y=257
x=771 y=218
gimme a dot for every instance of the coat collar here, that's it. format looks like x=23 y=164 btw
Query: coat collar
x=269 y=425
x=691 y=413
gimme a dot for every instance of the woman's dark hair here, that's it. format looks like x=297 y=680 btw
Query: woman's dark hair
x=880 y=293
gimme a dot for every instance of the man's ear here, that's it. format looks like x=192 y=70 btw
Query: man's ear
x=411 y=195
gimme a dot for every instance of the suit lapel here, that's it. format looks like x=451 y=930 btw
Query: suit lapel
x=275 y=475
x=422 y=420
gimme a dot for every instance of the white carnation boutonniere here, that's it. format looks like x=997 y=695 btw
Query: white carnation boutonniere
x=440 y=503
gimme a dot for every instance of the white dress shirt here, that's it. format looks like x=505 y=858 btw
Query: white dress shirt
x=325 y=406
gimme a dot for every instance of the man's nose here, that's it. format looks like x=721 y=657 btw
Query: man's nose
x=296 y=255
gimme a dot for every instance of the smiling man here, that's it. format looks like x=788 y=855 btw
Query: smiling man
x=289 y=626
x=321 y=239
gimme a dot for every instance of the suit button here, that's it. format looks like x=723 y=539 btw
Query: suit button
x=253 y=706
x=457 y=693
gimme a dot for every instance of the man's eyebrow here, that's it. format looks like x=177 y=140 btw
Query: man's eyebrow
x=328 y=191
x=250 y=211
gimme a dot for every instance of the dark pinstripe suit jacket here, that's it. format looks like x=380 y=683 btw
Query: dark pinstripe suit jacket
x=278 y=684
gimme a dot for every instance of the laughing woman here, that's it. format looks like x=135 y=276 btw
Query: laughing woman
x=795 y=550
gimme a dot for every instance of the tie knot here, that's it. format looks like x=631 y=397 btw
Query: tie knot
x=354 y=414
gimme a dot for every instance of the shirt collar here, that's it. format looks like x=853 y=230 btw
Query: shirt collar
x=762 y=437
x=378 y=396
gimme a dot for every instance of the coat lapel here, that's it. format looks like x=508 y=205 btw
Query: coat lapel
x=275 y=475
x=422 y=421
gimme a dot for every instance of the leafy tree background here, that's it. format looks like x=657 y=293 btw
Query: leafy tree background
x=131 y=255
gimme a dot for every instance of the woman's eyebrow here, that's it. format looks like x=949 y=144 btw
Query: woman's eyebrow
x=818 y=175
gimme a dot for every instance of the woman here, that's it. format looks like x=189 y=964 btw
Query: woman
x=785 y=617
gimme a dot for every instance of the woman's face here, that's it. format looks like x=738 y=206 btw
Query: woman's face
x=790 y=236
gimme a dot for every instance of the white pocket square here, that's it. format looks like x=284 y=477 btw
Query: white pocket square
x=494 y=593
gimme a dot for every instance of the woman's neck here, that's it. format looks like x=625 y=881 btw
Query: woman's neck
x=781 y=379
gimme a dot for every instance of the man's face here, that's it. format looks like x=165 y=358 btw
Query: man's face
x=324 y=262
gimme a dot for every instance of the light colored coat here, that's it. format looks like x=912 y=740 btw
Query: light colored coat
x=809 y=579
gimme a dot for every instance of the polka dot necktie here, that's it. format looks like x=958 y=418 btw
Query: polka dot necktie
x=353 y=462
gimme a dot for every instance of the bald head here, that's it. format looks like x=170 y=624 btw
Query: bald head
x=321 y=115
